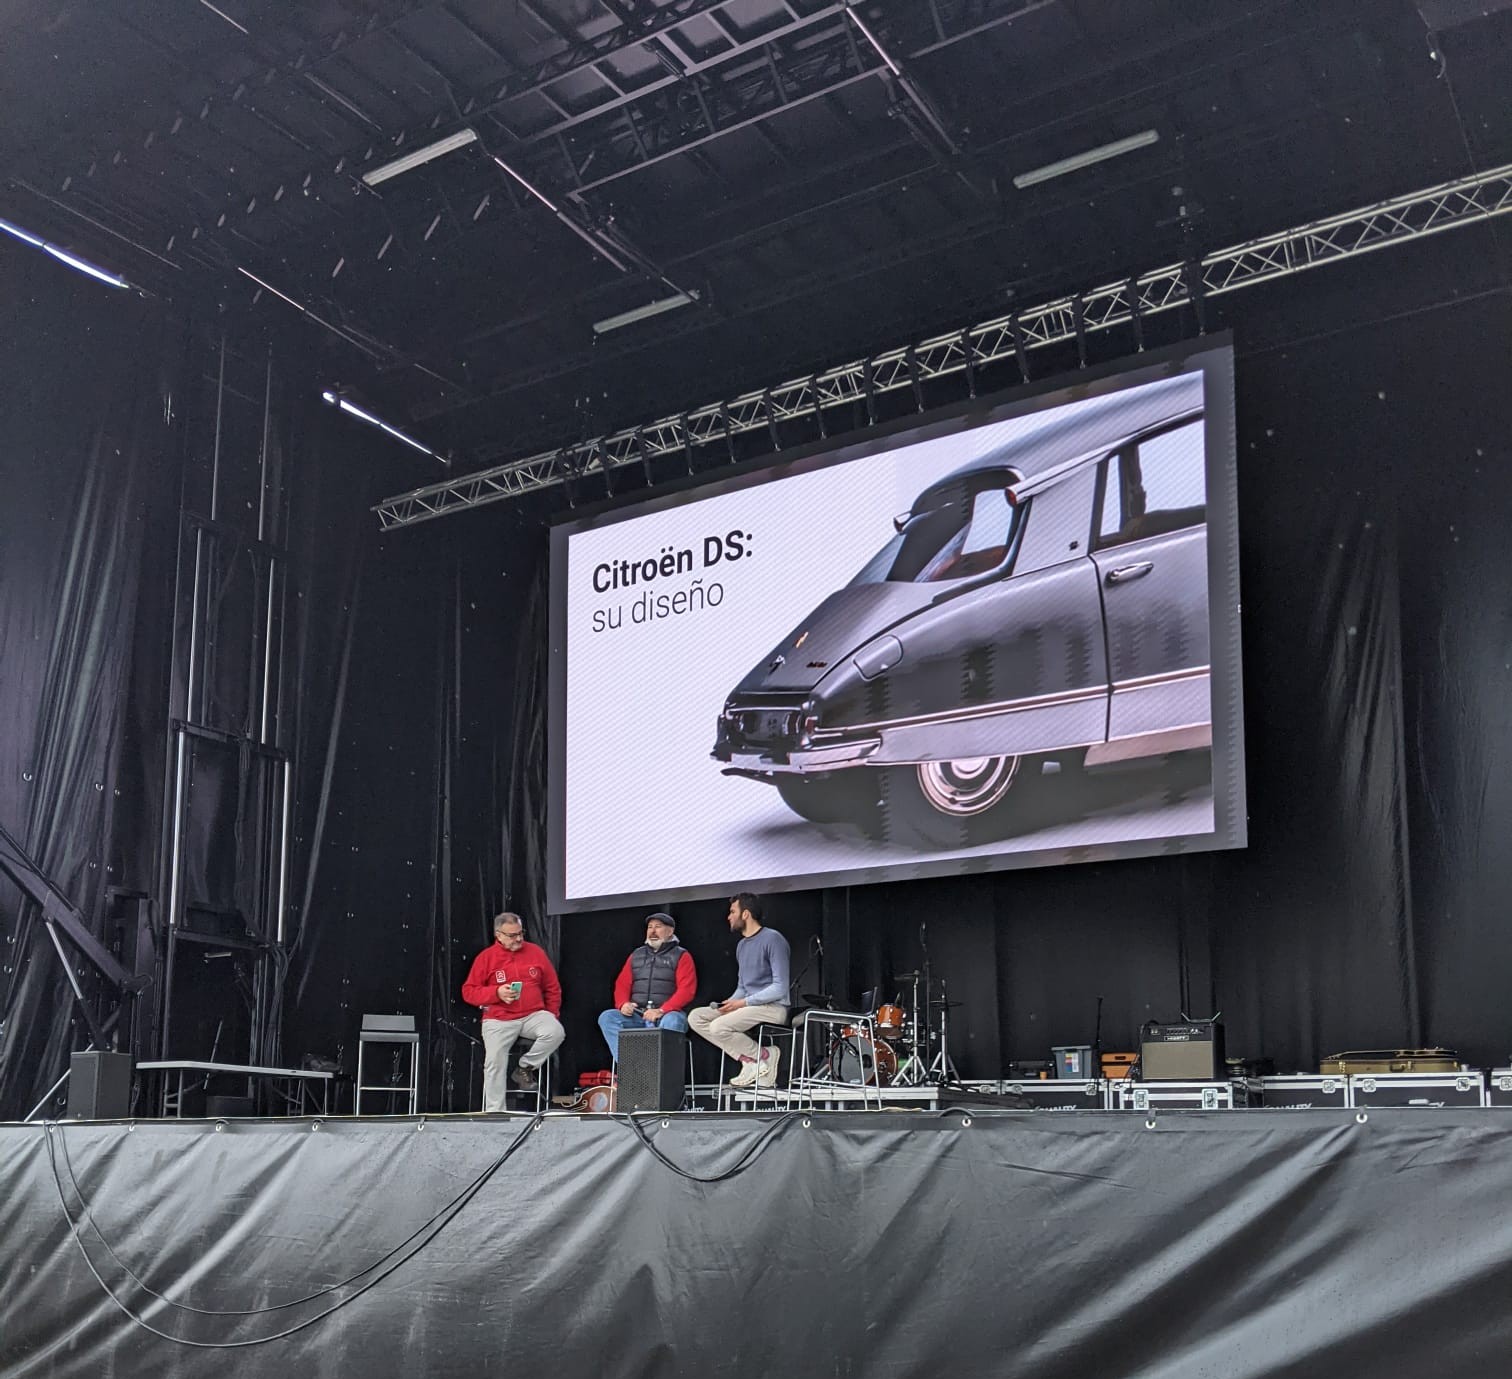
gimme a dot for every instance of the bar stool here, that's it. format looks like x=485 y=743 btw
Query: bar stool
x=766 y=1035
x=541 y=1095
x=389 y=1029
x=805 y=1077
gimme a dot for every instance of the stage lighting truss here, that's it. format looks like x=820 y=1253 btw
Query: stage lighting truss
x=1402 y=220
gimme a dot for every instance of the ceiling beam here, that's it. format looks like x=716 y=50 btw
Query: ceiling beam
x=739 y=88
x=333 y=179
x=300 y=66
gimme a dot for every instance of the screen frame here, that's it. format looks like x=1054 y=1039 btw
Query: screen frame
x=1212 y=356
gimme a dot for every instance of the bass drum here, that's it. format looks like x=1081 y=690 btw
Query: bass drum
x=863 y=1062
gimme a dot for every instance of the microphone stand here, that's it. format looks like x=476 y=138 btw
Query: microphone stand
x=928 y=988
x=473 y=1045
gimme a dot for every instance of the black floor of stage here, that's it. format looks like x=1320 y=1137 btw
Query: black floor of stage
x=1074 y=1245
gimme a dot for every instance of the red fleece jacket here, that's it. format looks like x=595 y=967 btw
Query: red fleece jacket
x=495 y=965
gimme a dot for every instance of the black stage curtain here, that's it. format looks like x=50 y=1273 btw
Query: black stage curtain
x=89 y=487
x=1375 y=491
x=1047 y=1245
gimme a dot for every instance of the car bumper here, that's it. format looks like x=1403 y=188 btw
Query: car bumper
x=828 y=756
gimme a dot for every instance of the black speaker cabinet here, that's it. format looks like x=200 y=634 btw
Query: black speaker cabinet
x=99 y=1086
x=653 y=1069
x=1181 y=1053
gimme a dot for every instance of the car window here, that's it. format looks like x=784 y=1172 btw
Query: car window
x=952 y=541
x=1154 y=487
x=1113 y=504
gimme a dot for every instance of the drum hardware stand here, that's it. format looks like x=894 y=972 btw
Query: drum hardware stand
x=911 y=1071
x=942 y=1069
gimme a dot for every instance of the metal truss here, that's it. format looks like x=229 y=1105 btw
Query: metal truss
x=334 y=180
x=619 y=132
x=1402 y=220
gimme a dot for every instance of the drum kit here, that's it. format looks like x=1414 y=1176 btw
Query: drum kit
x=902 y=1045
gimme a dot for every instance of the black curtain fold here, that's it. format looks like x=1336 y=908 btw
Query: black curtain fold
x=88 y=467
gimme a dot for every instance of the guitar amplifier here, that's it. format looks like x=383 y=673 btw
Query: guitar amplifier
x=653 y=1070
x=1188 y=1052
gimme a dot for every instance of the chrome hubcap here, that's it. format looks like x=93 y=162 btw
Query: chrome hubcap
x=968 y=786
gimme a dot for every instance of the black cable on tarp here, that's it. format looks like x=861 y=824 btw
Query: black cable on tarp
x=741 y=1164
x=435 y=1224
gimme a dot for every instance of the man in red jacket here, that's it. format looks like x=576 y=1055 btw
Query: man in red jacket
x=517 y=987
x=655 y=987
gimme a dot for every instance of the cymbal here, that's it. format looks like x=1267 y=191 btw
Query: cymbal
x=909 y=977
x=816 y=998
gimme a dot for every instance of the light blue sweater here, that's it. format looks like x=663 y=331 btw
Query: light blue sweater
x=763 y=960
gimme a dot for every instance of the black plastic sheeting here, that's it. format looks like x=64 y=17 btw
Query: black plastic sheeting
x=1045 y=1245
x=88 y=490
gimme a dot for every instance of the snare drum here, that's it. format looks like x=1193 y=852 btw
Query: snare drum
x=890 y=1021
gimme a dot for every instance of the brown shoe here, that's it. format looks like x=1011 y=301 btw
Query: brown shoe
x=523 y=1078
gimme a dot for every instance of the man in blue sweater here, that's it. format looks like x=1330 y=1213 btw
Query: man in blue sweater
x=761 y=996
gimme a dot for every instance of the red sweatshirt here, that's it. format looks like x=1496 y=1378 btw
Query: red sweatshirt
x=682 y=995
x=529 y=966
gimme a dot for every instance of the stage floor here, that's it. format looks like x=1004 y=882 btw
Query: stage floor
x=920 y=1243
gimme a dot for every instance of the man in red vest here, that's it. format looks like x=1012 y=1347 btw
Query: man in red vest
x=517 y=987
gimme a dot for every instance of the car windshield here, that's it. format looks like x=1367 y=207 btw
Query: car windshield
x=962 y=535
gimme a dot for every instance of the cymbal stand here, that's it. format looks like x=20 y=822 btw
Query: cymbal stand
x=911 y=1071
x=942 y=1069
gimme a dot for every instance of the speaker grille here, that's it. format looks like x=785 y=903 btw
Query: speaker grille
x=652 y=1069
x=1195 y=1061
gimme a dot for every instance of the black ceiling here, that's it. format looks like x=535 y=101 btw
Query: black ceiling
x=763 y=153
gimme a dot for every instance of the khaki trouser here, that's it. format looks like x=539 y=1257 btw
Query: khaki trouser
x=728 y=1031
x=545 y=1033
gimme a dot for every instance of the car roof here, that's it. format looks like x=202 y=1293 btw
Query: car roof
x=1087 y=430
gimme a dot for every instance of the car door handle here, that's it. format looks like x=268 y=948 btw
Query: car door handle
x=1124 y=573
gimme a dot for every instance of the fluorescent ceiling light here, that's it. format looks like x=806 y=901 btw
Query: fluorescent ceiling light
x=351 y=408
x=63 y=256
x=452 y=142
x=641 y=313
x=1092 y=156
x=875 y=42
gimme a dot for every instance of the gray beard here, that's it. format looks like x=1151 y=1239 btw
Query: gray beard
x=654 y=943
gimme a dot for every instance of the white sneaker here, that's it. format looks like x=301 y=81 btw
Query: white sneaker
x=766 y=1078
x=746 y=1076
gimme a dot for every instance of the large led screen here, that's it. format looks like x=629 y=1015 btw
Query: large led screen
x=999 y=638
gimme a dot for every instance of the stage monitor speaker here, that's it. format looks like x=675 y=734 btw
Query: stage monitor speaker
x=1191 y=1052
x=99 y=1086
x=653 y=1069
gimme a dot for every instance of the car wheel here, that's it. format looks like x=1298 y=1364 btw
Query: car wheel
x=953 y=803
x=841 y=797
